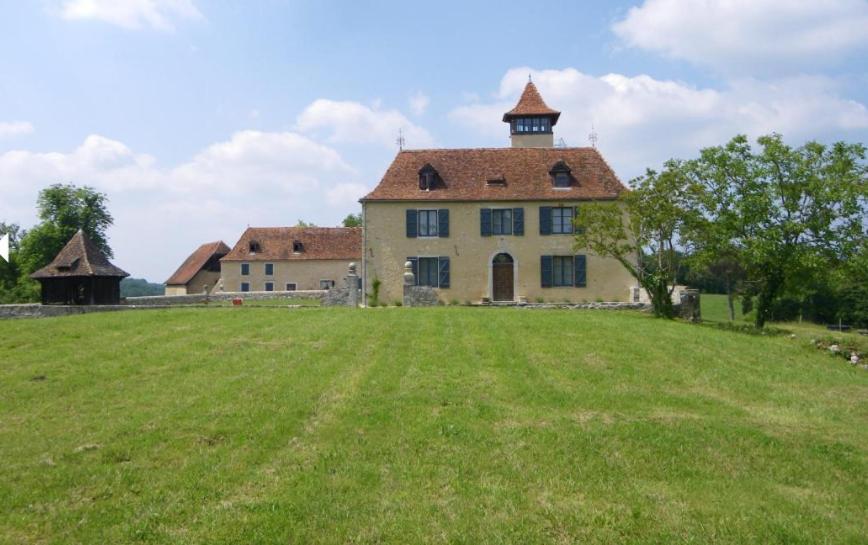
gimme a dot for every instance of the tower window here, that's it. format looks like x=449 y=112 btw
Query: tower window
x=523 y=125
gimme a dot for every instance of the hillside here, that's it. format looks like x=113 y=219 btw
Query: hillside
x=137 y=287
x=456 y=425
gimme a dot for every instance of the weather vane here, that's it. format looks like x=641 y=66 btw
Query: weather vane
x=400 y=141
x=593 y=137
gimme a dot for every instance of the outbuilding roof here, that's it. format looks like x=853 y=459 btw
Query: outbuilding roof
x=195 y=261
x=80 y=257
x=498 y=174
x=297 y=243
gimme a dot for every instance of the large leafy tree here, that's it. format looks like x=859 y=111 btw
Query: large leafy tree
x=353 y=220
x=784 y=214
x=642 y=231
x=64 y=209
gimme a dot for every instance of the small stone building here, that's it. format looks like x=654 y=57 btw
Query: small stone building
x=290 y=258
x=201 y=269
x=80 y=275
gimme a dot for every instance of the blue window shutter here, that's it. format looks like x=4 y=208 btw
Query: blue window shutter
x=581 y=271
x=443 y=263
x=412 y=223
x=545 y=220
x=414 y=261
x=546 y=271
x=485 y=222
x=443 y=223
x=518 y=221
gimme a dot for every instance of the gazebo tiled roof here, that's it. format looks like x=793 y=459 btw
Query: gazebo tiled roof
x=80 y=257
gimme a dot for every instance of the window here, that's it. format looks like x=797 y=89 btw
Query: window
x=427 y=177
x=254 y=247
x=290 y=286
x=501 y=221
x=427 y=223
x=562 y=270
x=562 y=179
x=562 y=220
x=245 y=269
x=326 y=284
x=269 y=269
x=269 y=286
x=427 y=272
x=245 y=286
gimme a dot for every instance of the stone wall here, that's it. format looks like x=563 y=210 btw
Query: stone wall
x=35 y=310
x=199 y=298
x=420 y=296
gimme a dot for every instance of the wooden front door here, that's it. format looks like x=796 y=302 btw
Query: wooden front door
x=502 y=278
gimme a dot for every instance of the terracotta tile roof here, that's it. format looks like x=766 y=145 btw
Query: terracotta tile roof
x=531 y=103
x=80 y=257
x=276 y=244
x=195 y=261
x=464 y=175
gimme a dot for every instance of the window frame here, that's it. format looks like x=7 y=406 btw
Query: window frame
x=558 y=222
x=244 y=287
x=563 y=266
x=427 y=213
x=433 y=264
x=329 y=284
x=245 y=269
x=506 y=223
x=266 y=267
x=269 y=286
x=294 y=286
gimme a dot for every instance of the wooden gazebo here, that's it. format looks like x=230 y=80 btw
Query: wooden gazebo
x=80 y=275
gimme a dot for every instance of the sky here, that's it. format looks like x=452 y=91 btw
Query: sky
x=198 y=118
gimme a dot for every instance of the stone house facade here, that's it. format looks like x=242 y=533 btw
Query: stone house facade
x=493 y=223
x=290 y=258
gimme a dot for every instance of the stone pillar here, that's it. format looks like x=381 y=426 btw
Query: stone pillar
x=690 y=305
x=409 y=282
x=352 y=280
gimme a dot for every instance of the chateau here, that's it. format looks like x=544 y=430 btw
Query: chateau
x=493 y=223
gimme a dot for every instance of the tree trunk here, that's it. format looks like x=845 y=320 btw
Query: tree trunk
x=766 y=297
x=730 y=301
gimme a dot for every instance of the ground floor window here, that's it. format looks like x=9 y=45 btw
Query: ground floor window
x=269 y=286
x=326 y=284
x=290 y=286
x=427 y=272
x=562 y=270
x=245 y=286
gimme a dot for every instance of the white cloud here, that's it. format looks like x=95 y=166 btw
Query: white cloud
x=642 y=121
x=419 y=103
x=355 y=123
x=737 y=35
x=131 y=14
x=163 y=213
x=15 y=128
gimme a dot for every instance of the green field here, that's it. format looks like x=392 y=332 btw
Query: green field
x=443 y=425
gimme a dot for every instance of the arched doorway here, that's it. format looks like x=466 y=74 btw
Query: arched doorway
x=502 y=278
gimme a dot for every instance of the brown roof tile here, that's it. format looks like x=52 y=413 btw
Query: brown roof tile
x=531 y=103
x=276 y=244
x=80 y=257
x=464 y=175
x=195 y=261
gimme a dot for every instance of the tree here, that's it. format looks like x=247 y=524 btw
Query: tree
x=64 y=209
x=353 y=220
x=784 y=214
x=302 y=223
x=641 y=230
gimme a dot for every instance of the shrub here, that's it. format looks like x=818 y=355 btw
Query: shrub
x=399 y=303
x=540 y=300
x=375 y=296
x=454 y=302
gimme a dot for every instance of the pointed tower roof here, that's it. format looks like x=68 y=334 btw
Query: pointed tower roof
x=80 y=257
x=531 y=103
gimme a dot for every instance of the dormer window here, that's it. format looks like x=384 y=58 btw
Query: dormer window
x=498 y=181
x=561 y=175
x=254 y=247
x=297 y=247
x=428 y=178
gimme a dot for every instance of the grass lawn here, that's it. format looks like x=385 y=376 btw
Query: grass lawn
x=442 y=425
x=715 y=309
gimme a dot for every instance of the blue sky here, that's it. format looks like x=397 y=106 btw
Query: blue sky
x=201 y=117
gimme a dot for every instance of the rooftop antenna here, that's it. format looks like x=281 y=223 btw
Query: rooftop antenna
x=529 y=80
x=400 y=141
x=561 y=143
x=593 y=137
